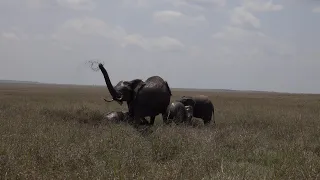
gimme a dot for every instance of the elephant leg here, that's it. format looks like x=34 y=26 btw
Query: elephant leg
x=180 y=115
x=152 y=118
x=206 y=120
x=165 y=117
x=178 y=118
x=143 y=121
x=130 y=116
x=213 y=119
x=137 y=119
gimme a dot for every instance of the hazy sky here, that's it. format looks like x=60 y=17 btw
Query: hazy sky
x=236 y=44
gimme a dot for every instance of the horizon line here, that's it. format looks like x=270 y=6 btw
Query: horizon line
x=174 y=88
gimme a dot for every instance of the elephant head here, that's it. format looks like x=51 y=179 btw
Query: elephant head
x=189 y=110
x=187 y=101
x=124 y=90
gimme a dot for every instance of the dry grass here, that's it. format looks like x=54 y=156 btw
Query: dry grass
x=257 y=136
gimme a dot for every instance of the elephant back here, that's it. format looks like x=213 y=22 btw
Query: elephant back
x=201 y=98
x=176 y=112
x=156 y=82
x=115 y=116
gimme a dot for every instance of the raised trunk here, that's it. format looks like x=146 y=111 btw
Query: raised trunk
x=112 y=91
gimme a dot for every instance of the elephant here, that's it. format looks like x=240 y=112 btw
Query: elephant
x=178 y=113
x=202 y=107
x=189 y=110
x=144 y=98
x=119 y=116
x=116 y=116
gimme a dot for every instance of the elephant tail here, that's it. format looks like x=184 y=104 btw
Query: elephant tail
x=166 y=119
x=213 y=115
x=167 y=85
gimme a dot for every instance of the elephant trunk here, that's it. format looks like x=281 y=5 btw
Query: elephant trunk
x=115 y=95
x=189 y=111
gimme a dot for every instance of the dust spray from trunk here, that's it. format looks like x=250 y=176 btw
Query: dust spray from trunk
x=94 y=64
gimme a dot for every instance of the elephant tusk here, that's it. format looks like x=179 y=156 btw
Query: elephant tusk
x=120 y=102
x=120 y=98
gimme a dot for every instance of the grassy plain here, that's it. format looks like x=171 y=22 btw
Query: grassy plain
x=52 y=132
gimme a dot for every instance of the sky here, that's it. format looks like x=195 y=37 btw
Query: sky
x=217 y=44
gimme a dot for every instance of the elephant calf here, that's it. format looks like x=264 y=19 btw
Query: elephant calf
x=178 y=113
x=116 y=116
x=120 y=116
x=202 y=107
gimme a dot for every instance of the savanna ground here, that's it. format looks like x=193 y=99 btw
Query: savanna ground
x=53 y=132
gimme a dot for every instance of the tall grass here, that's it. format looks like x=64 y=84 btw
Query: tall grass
x=59 y=133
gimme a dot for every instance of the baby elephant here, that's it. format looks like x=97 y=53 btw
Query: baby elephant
x=120 y=116
x=203 y=108
x=116 y=116
x=178 y=113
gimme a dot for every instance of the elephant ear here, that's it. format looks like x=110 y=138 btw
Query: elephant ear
x=191 y=102
x=188 y=101
x=186 y=97
x=136 y=85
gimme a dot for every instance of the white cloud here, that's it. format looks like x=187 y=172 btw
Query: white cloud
x=242 y=39
x=243 y=15
x=250 y=42
x=77 y=4
x=176 y=18
x=236 y=39
x=71 y=30
x=137 y=3
x=238 y=34
x=240 y=16
x=37 y=4
x=10 y=36
x=14 y=33
x=194 y=4
x=199 y=4
x=41 y=4
x=316 y=10
x=163 y=43
x=88 y=26
x=34 y=3
x=261 y=5
x=165 y=16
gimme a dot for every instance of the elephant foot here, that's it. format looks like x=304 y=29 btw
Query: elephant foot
x=149 y=124
x=152 y=118
x=144 y=123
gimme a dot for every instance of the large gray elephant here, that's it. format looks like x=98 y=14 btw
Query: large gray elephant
x=202 y=107
x=178 y=113
x=149 y=98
